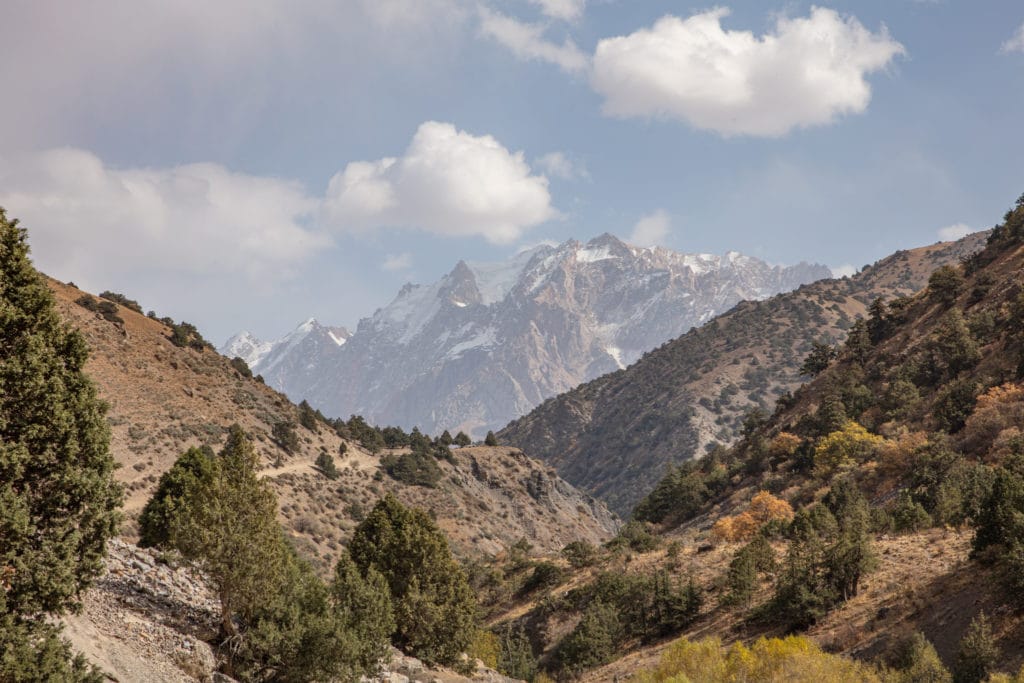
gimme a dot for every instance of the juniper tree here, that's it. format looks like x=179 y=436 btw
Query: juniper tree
x=434 y=607
x=58 y=498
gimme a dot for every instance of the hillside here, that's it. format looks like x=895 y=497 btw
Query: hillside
x=489 y=341
x=165 y=398
x=883 y=499
x=615 y=436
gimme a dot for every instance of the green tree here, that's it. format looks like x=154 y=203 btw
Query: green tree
x=435 y=609
x=307 y=417
x=228 y=525
x=284 y=434
x=977 y=656
x=594 y=640
x=918 y=662
x=515 y=657
x=192 y=468
x=945 y=284
x=462 y=439
x=490 y=439
x=58 y=497
x=325 y=463
x=819 y=358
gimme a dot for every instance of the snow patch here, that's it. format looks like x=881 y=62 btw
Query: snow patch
x=337 y=340
x=484 y=339
x=591 y=255
x=616 y=353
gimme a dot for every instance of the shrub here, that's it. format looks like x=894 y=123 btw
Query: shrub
x=579 y=554
x=122 y=300
x=594 y=640
x=415 y=469
x=241 y=367
x=977 y=655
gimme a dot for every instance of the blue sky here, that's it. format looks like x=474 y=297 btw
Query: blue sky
x=247 y=165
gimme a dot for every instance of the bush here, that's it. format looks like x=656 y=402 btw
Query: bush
x=545 y=575
x=580 y=554
x=414 y=469
x=241 y=367
x=122 y=300
x=977 y=655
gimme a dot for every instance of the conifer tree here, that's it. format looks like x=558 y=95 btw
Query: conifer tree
x=435 y=609
x=58 y=497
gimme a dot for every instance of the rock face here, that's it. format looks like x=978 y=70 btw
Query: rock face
x=489 y=341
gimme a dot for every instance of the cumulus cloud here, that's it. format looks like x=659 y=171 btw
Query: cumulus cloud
x=566 y=10
x=845 y=270
x=93 y=222
x=396 y=262
x=954 y=232
x=527 y=42
x=559 y=165
x=448 y=182
x=1015 y=43
x=806 y=72
x=651 y=230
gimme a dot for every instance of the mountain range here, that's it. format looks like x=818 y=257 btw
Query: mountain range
x=615 y=436
x=490 y=341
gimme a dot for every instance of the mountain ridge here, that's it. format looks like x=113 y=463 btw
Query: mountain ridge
x=489 y=341
x=615 y=435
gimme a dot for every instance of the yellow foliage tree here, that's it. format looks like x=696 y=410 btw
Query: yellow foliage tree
x=784 y=445
x=795 y=659
x=764 y=508
x=853 y=443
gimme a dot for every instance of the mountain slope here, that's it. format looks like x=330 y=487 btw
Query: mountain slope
x=615 y=436
x=489 y=341
x=164 y=399
x=891 y=491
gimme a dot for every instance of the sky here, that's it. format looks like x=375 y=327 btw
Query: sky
x=248 y=164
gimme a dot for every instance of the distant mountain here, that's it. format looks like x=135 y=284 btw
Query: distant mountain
x=489 y=341
x=614 y=436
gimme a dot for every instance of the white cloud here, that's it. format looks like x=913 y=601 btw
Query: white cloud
x=92 y=222
x=651 y=230
x=527 y=42
x=954 y=232
x=1015 y=43
x=395 y=262
x=845 y=270
x=449 y=182
x=559 y=165
x=566 y=10
x=806 y=72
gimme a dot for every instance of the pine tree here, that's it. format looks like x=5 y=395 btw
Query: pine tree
x=490 y=439
x=192 y=468
x=58 y=497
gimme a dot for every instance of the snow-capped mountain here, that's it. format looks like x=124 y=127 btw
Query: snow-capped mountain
x=489 y=341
